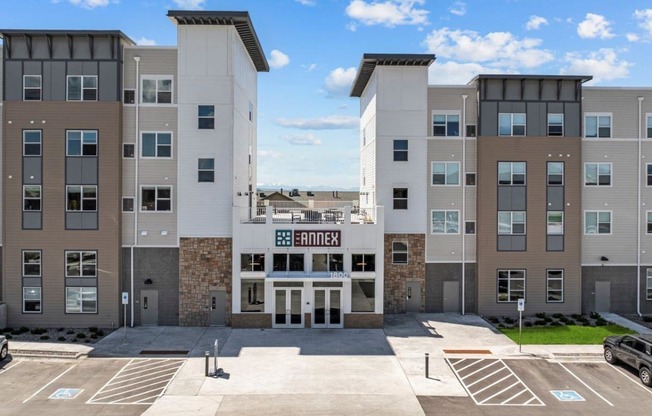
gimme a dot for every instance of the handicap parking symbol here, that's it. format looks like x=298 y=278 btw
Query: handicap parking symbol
x=65 y=394
x=567 y=395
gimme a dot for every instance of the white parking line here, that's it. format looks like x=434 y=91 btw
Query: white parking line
x=630 y=379
x=586 y=385
x=486 y=377
x=500 y=392
x=121 y=393
x=477 y=371
x=141 y=376
x=146 y=370
x=132 y=384
x=515 y=396
x=53 y=380
x=5 y=369
x=491 y=385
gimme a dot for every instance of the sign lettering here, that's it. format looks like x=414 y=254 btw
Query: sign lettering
x=308 y=238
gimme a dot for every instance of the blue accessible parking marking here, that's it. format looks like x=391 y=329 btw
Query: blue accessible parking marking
x=567 y=395
x=65 y=394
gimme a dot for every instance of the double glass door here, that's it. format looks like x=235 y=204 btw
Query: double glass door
x=328 y=308
x=287 y=308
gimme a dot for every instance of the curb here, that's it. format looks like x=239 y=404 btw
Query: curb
x=46 y=354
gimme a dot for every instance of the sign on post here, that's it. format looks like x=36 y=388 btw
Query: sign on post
x=125 y=298
x=521 y=307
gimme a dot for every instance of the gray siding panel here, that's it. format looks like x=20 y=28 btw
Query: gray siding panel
x=13 y=81
x=57 y=89
x=74 y=170
x=31 y=170
x=32 y=282
x=32 y=68
x=555 y=243
x=108 y=80
x=89 y=68
x=572 y=120
x=489 y=125
x=89 y=171
x=438 y=273
x=32 y=220
x=555 y=198
x=623 y=287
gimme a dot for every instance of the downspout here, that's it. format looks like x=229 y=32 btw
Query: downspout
x=135 y=203
x=463 y=225
x=638 y=213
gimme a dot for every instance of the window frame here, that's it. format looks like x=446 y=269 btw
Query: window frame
x=82 y=198
x=648 y=228
x=124 y=96
x=156 y=78
x=81 y=290
x=200 y=117
x=288 y=263
x=512 y=125
x=648 y=284
x=252 y=262
x=364 y=262
x=157 y=145
x=156 y=199
x=126 y=154
x=400 y=151
x=597 y=121
x=82 y=89
x=598 y=212
x=446 y=212
x=40 y=88
x=512 y=222
x=648 y=125
x=398 y=201
x=81 y=254
x=512 y=174
x=133 y=201
x=598 y=174
x=40 y=197
x=25 y=263
x=509 y=284
x=446 y=174
x=466 y=224
x=40 y=299
x=447 y=123
x=40 y=143
x=548 y=174
x=549 y=124
x=549 y=223
x=405 y=252
x=201 y=170
x=81 y=143
x=549 y=279
x=473 y=175
x=648 y=174
x=329 y=262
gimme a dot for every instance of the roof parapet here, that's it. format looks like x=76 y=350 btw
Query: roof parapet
x=371 y=60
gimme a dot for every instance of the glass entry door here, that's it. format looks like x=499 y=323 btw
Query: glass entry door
x=287 y=308
x=327 y=311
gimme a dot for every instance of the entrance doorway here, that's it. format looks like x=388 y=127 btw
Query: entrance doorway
x=327 y=312
x=452 y=296
x=602 y=296
x=288 y=312
x=413 y=303
x=217 y=308
x=149 y=307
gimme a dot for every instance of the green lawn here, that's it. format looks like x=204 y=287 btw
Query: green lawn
x=571 y=334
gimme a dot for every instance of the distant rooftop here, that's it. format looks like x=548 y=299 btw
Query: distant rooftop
x=371 y=60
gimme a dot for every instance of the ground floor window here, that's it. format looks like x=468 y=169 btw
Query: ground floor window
x=252 y=295
x=649 y=284
x=363 y=262
x=555 y=286
x=399 y=252
x=511 y=285
x=32 y=300
x=288 y=262
x=363 y=295
x=252 y=262
x=81 y=300
x=322 y=262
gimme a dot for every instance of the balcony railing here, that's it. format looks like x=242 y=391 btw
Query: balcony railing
x=297 y=215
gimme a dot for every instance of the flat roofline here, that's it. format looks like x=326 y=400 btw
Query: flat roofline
x=58 y=32
x=371 y=60
x=583 y=78
x=240 y=20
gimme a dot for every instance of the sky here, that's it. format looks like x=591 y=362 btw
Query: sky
x=308 y=126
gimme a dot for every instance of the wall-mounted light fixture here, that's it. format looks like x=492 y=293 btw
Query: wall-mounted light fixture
x=148 y=281
x=604 y=258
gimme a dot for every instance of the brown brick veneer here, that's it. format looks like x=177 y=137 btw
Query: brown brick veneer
x=396 y=275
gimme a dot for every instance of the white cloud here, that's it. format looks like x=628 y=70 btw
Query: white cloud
x=536 y=22
x=190 y=4
x=143 y=41
x=603 y=65
x=307 y=2
x=594 y=26
x=352 y=27
x=645 y=17
x=278 y=59
x=632 y=37
x=321 y=123
x=458 y=8
x=302 y=139
x=90 y=4
x=389 y=13
x=338 y=83
x=454 y=73
x=268 y=154
x=500 y=49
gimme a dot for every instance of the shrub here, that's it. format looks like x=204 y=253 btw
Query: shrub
x=540 y=322
x=94 y=336
x=601 y=322
x=70 y=332
x=16 y=332
x=555 y=323
x=60 y=329
x=540 y=315
x=38 y=331
x=61 y=339
x=508 y=320
x=73 y=340
x=576 y=316
x=23 y=329
x=8 y=330
x=45 y=337
x=501 y=326
x=558 y=316
x=564 y=320
x=493 y=319
x=594 y=315
x=92 y=329
x=81 y=335
x=527 y=323
x=100 y=333
x=587 y=323
x=8 y=336
x=87 y=340
x=547 y=319
x=646 y=318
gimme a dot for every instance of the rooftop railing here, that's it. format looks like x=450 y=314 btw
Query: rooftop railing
x=299 y=215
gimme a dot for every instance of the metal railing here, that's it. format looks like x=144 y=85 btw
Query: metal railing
x=297 y=215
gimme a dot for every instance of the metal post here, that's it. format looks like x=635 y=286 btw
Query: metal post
x=215 y=358
x=427 y=365
x=125 y=315
x=207 y=355
x=520 y=329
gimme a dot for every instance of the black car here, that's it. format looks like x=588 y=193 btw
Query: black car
x=633 y=350
x=4 y=347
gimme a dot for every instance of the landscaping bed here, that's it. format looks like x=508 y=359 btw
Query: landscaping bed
x=69 y=335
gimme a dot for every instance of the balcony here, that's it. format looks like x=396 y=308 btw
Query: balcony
x=290 y=212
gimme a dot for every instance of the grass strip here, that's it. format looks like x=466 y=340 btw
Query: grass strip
x=565 y=335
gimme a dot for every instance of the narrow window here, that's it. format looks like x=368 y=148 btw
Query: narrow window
x=400 y=150
x=32 y=300
x=648 y=285
x=470 y=179
x=399 y=252
x=31 y=87
x=129 y=96
x=555 y=173
x=128 y=150
x=206 y=117
x=554 y=286
x=555 y=222
x=649 y=127
x=470 y=130
x=32 y=263
x=252 y=295
x=31 y=197
x=32 y=142
x=470 y=227
x=127 y=204
x=649 y=222
x=206 y=170
x=555 y=124
x=400 y=198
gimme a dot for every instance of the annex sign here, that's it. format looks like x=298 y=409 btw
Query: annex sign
x=308 y=238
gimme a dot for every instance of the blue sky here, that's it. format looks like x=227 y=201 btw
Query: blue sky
x=307 y=124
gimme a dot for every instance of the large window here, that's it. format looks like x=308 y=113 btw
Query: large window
x=288 y=262
x=363 y=295
x=597 y=125
x=511 y=285
x=31 y=300
x=446 y=125
x=363 y=262
x=445 y=173
x=252 y=262
x=555 y=173
x=400 y=150
x=206 y=170
x=157 y=90
x=32 y=87
x=322 y=262
x=555 y=222
x=31 y=197
x=81 y=198
x=400 y=198
x=32 y=143
x=554 y=286
x=511 y=173
x=81 y=300
x=399 y=252
x=252 y=295
x=597 y=174
x=511 y=222
x=649 y=284
x=445 y=222
x=511 y=124
x=206 y=117
x=81 y=263
x=156 y=198
x=555 y=124
x=32 y=263
x=82 y=88
x=81 y=143
x=156 y=145
x=597 y=222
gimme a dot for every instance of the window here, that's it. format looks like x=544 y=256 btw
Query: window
x=81 y=143
x=81 y=300
x=81 y=263
x=400 y=198
x=555 y=124
x=322 y=262
x=469 y=227
x=597 y=222
x=649 y=127
x=445 y=173
x=649 y=284
x=400 y=150
x=511 y=173
x=31 y=300
x=32 y=263
x=399 y=252
x=251 y=111
x=555 y=286
x=511 y=222
x=206 y=117
x=597 y=125
x=555 y=222
x=31 y=87
x=288 y=262
x=32 y=143
x=597 y=174
x=363 y=295
x=470 y=130
x=127 y=204
x=156 y=198
x=446 y=125
x=157 y=91
x=252 y=295
x=649 y=174
x=363 y=262
x=81 y=198
x=649 y=222
x=82 y=88
x=511 y=285
x=511 y=124
x=129 y=96
x=252 y=262
x=470 y=179
x=31 y=197
x=156 y=145
x=555 y=173
x=206 y=170
x=128 y=150
x=445 y=222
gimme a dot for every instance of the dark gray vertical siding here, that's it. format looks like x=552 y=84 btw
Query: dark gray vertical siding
x=438 y=273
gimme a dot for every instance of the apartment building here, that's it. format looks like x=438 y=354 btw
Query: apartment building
x=519 y=186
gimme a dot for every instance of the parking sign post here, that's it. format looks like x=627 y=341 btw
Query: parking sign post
x=521 y=308
x=125 y=301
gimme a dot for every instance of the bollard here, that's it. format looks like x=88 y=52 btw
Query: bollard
x=427 y=365
x=207 y=354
